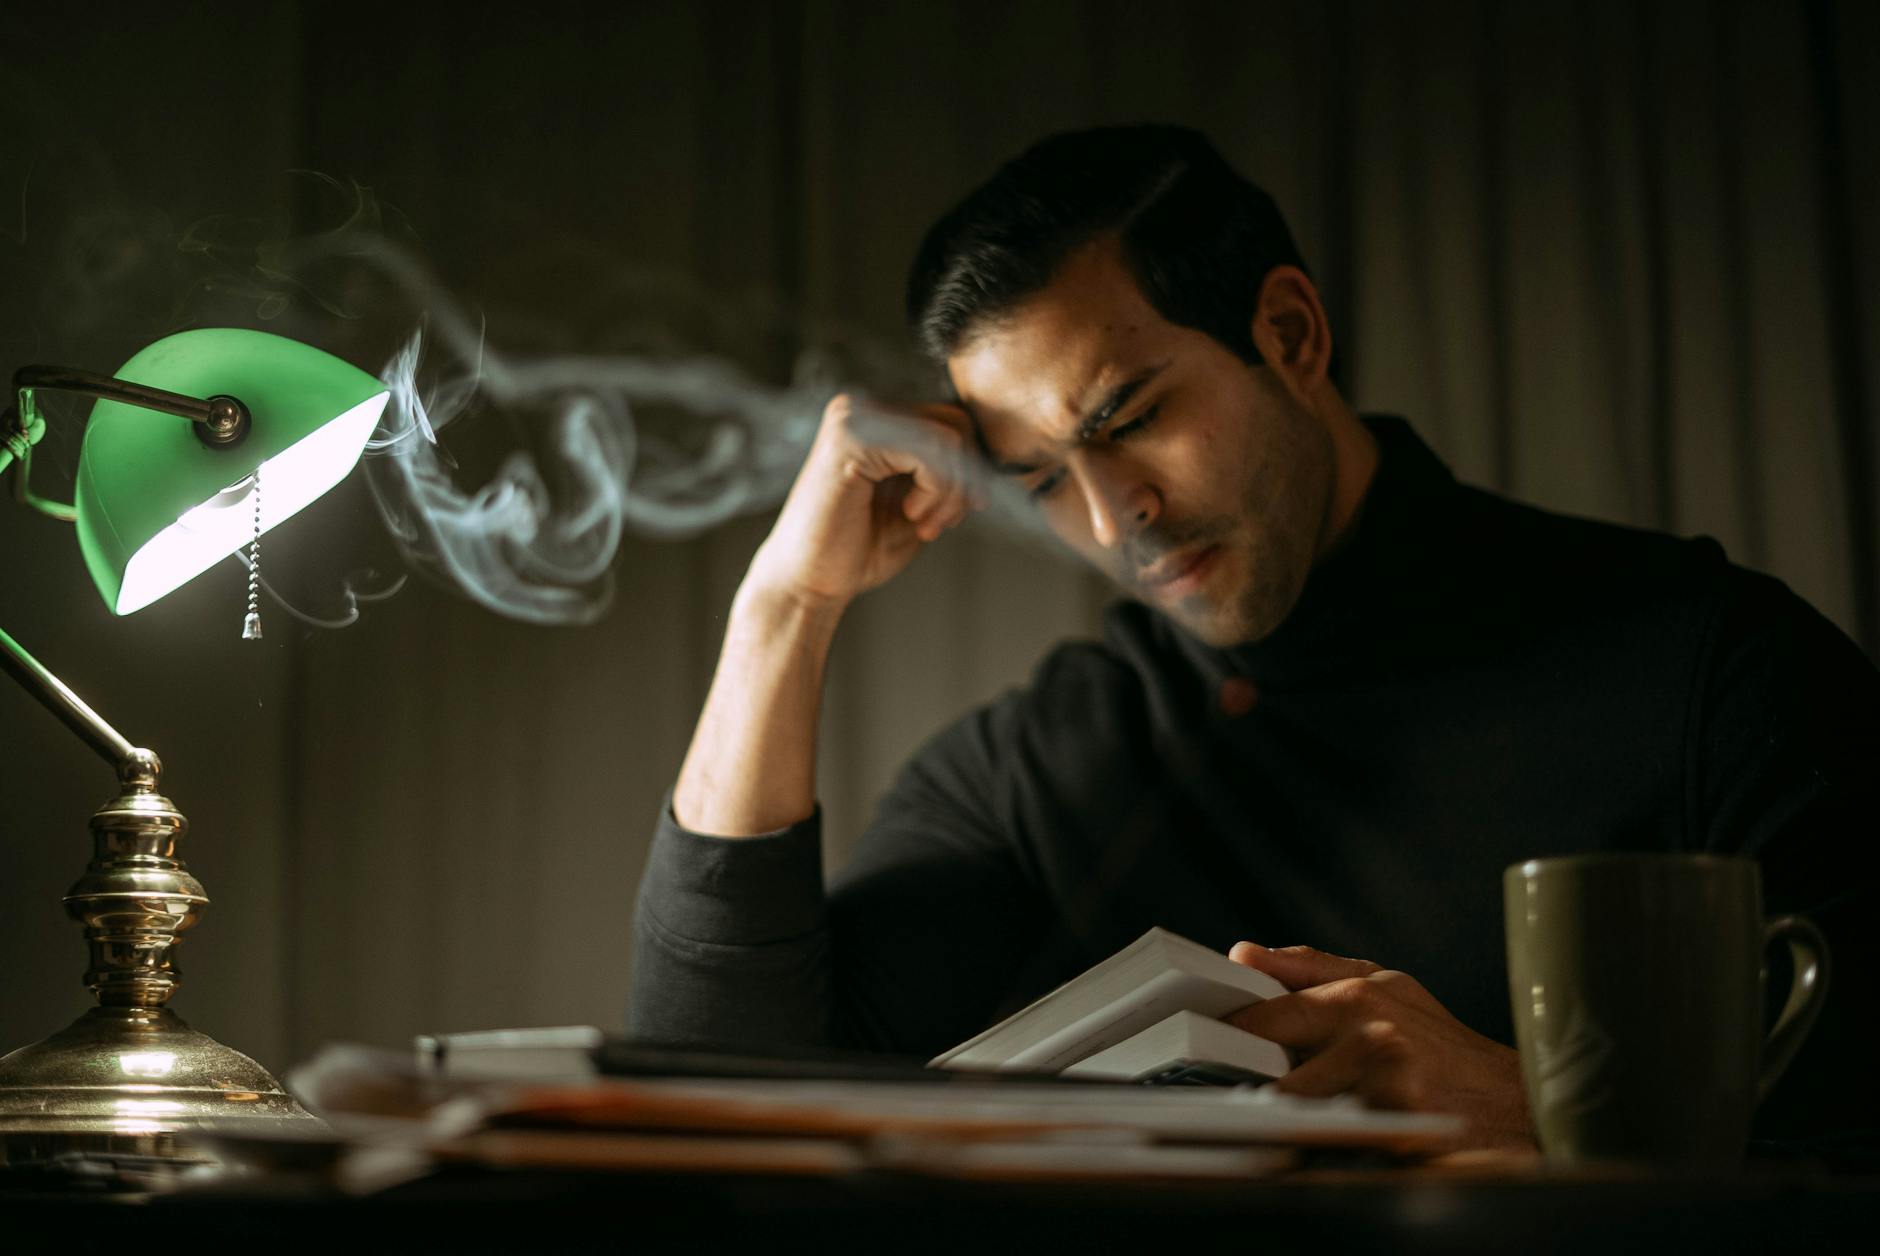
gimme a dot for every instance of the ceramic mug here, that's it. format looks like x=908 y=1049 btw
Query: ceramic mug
x=1637 y=983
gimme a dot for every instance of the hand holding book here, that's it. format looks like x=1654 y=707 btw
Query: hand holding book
x=1358 y=1028
x=1166 y=1009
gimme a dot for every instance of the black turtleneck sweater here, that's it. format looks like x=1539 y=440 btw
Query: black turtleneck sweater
x=1466 y=684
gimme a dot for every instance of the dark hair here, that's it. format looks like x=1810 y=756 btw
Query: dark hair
x=1198 y=236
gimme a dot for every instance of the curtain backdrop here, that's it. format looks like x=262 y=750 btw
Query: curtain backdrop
x=1616 y=259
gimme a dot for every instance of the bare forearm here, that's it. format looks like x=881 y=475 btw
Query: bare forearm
x=751 y=767
x=859 y=510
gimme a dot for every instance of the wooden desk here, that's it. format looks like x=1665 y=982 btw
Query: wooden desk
x=1428 y=1210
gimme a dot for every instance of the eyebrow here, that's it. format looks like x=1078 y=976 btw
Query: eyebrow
x=1093 y=422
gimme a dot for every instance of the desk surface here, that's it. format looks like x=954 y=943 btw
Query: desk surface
x=1384 y=1210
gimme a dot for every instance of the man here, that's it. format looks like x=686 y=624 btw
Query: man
x=1346 y=694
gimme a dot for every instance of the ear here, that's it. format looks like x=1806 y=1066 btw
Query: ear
x=1291 y=331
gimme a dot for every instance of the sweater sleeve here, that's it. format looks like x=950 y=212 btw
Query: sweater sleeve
x=731 y=938
x=1786 y=766
x=737 y=944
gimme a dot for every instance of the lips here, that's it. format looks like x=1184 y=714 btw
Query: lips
x=1173 y=572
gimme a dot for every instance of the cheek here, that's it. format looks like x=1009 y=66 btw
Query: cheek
x=1206 y=475
x=1062 y=513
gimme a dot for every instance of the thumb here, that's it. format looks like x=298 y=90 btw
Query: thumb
x=1297 y=967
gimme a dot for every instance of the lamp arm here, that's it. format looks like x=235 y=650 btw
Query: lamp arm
x=57 y=697
x=220 y=421
x=29 y=379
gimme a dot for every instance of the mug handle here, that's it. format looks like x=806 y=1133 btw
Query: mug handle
x=1808 y=988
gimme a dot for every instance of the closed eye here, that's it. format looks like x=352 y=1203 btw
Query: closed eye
x=1123 y=431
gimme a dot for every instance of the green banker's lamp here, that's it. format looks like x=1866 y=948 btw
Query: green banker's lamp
x=200 y=443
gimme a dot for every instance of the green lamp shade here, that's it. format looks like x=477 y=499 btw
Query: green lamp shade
x=157 y=507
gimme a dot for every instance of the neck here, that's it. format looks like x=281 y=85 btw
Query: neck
x=1354 y=466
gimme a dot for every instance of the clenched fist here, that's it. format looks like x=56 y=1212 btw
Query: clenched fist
x=878 y=485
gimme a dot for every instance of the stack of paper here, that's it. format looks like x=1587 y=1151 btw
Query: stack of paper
x=398 y=1120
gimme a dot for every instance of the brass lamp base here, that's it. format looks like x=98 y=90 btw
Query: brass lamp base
x=132 y=1081
x=128 y=1078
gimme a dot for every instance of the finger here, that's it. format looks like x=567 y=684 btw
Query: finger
x=1388 y=1075
x=928 y=492
x=1309 y=1018
x=931 y=456
x=922 y=496
x=1297 y=967
x=967 y=464
x=946 y=505
x=840 y=409
x=943 y=517
x=1372 y=1061
x=1342 y=1064
x=1391 y=1077
x=942 y=511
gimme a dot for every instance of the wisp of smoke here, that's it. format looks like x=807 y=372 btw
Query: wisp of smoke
x=544 y=554
x=537 y=542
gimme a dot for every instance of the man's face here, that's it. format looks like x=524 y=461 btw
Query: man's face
x=1198 y=483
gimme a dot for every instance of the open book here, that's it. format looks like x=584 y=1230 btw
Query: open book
x=1151 y=1012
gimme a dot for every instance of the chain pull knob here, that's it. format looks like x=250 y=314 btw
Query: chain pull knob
x=251 y=623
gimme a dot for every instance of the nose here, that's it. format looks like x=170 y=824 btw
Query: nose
x=1121 y=502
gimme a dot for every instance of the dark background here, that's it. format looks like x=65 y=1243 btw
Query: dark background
x=1618 y=259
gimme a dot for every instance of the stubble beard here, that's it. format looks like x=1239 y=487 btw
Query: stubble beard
x=1283 y=522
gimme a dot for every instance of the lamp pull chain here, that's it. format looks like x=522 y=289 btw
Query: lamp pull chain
x=251 y=623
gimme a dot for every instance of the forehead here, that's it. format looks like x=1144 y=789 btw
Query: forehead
x=1037 y=372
